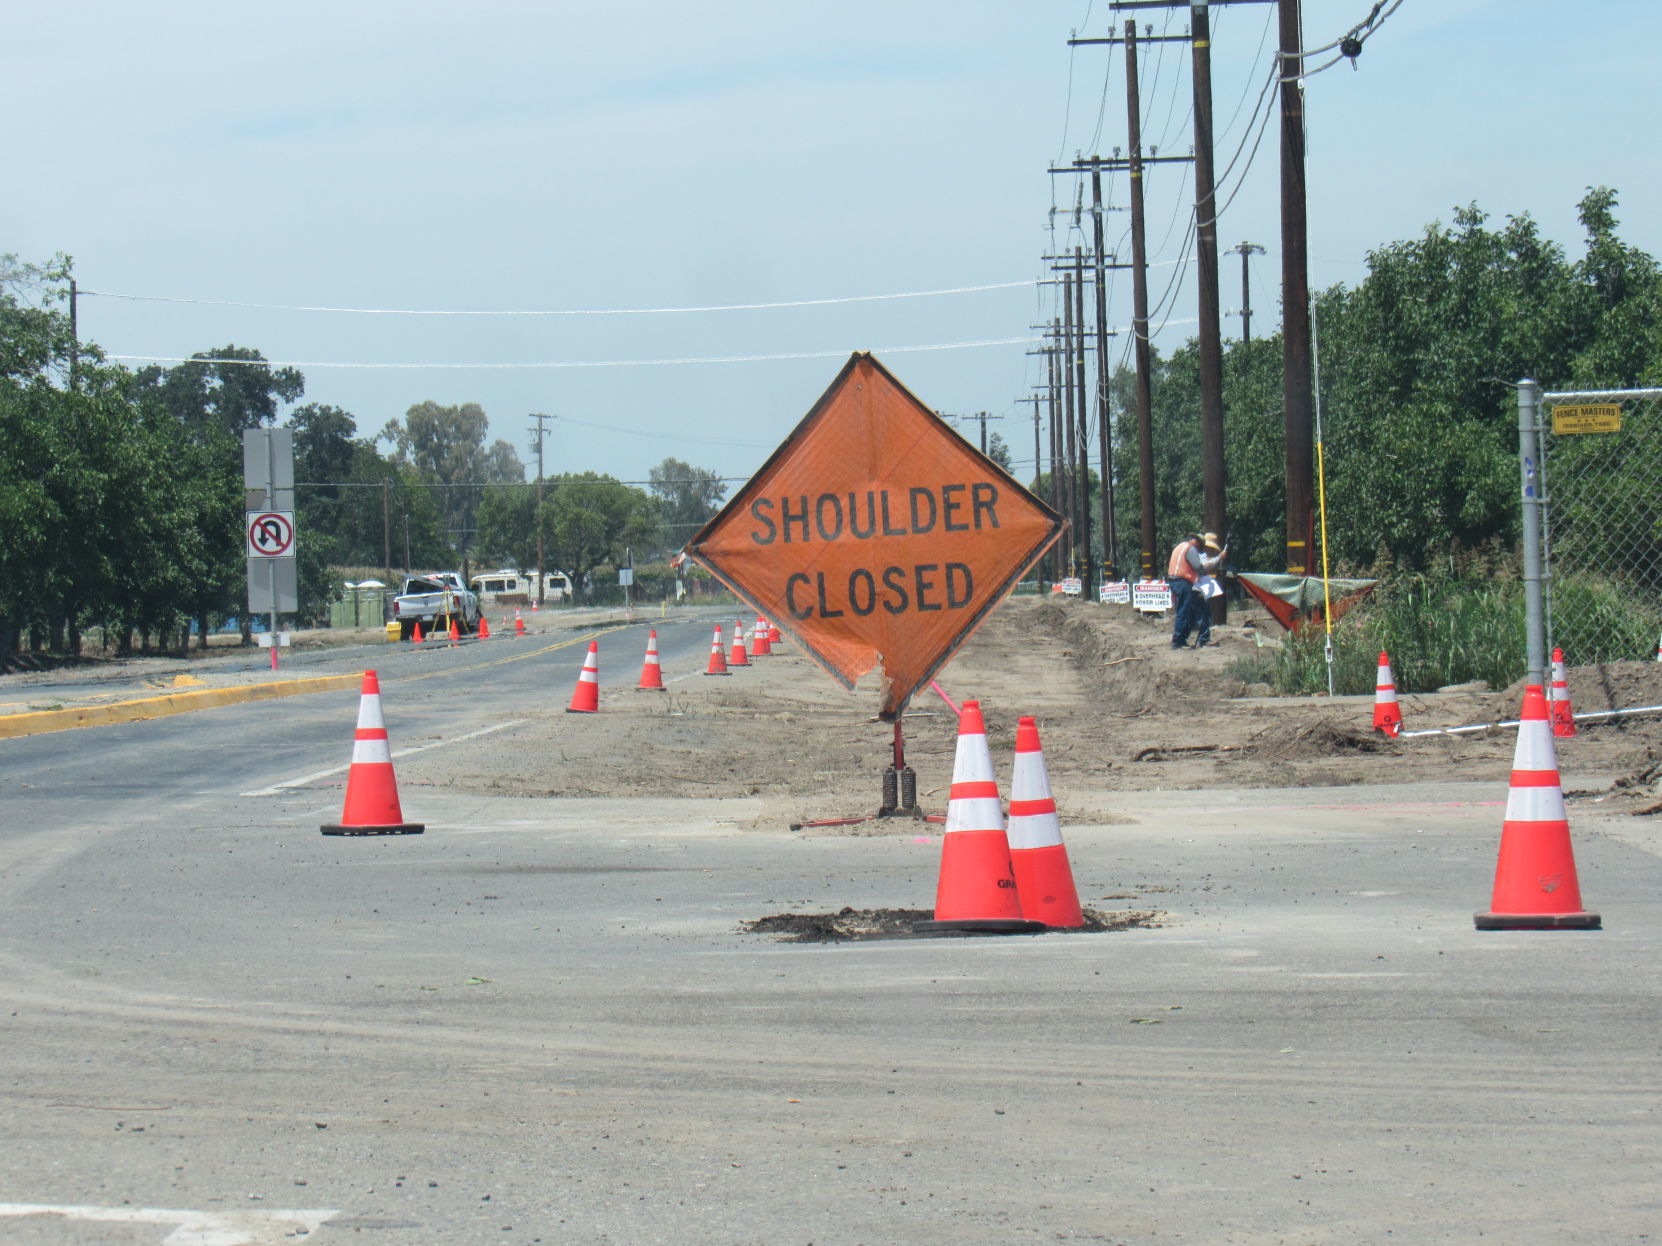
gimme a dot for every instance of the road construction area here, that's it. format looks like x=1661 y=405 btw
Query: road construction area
x=550 y=1018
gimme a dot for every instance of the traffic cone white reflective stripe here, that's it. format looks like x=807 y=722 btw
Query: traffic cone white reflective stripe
x=371 y=806
x=1536 y=886
x=738 y=657
x=1044 y=876
x=1558 y=698
x=1387 y=715
x=977 y=887
x=759 y=644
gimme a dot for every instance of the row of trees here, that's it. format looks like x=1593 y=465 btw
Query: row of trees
x=1419 y=416
x=122 y=503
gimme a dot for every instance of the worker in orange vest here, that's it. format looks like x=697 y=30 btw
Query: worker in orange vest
x=1191 y=558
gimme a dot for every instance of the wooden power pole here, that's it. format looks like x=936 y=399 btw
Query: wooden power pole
x=1295 y=300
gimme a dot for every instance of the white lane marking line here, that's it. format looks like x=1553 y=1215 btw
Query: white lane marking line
x=195 y=1228
x=277 y=789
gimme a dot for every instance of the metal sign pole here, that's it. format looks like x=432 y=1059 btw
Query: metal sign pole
x=271 y=504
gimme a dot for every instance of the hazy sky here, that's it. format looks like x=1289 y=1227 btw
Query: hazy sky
x=529 y=157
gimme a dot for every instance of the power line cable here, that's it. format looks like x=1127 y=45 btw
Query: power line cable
x=602 y=311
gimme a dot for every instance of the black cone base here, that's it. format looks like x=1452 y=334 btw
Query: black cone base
x=979 y=926
x=402 y=828
x=1537 y=921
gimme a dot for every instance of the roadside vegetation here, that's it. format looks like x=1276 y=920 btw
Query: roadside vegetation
x=121 y=501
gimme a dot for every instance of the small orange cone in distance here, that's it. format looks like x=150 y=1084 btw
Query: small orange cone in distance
x=738 y=657
x=775 y=637
x=718 y=658
x=417 y=638
x=1536 y=887
x=1044 y=877
x=484 y=632
x=652 y=675
x=455 y=631
x=585 y=698
x=371 y=790
x=977 y=888
x=1558 y=699
x=1387 y=714
x=760 y=646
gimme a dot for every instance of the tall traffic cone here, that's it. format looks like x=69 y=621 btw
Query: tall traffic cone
x=718 y=659
x=417 y=638
x=1536 y=887
x=738 y=657
x=652 y=676
x=484 y=632
x=1558 y=699
x=371 y=790
x=1044 y=878
x=976 y=892
x=761 y=646
x=519 y=624
x=1387 y=714
x=585 y=698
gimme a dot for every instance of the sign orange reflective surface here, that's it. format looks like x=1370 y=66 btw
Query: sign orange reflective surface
x=876 y=534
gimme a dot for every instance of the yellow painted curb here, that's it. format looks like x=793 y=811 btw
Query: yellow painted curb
x=14 y=725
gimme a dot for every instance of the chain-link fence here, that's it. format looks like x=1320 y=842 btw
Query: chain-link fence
x=1601 y=476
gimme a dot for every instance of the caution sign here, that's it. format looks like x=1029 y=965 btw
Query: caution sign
x=1593 y=417
x=876 y=533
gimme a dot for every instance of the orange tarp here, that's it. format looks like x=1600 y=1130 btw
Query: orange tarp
x=876 y=533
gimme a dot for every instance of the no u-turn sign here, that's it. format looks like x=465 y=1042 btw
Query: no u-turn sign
x=270 y=534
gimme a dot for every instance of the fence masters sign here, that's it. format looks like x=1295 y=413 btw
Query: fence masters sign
x=876 y=533
x=1597 y=417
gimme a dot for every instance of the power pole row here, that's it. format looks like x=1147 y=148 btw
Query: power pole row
x=540 y=433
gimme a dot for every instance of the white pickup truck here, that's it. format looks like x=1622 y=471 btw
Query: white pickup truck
x=433 y=599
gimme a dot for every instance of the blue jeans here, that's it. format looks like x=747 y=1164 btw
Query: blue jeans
x=1188 y=612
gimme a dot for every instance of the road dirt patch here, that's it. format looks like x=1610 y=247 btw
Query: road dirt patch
x=853 y=925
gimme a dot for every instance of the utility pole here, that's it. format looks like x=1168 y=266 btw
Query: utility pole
x=1139 y=310
x=75 y=358
x=1244 y=250
x=1084 y=408
x=1065 y=376
x=1105 y=439
x=386 y=525
x=1295 y=298
x=1212 y=466
x=541 y=432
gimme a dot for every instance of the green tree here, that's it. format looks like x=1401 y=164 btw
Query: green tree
x=587 y=521
x=688 y=497
x=446 y=446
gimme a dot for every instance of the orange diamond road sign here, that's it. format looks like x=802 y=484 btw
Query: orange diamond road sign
x=876 y=533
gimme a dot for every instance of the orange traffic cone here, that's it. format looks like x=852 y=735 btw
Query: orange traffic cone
x=1535 y=880
x=455 y=631
x=760 y=647
x=371 y=791
x=1558 y=699
x=1387 y=715
x=977 y=888
x=417 y=638
x=1044 y=878
x=585 y=699
x=775 y=638
x=718 y=659
x=738 y=657
x=652 y=676
x=484 y=632
x=519 y=624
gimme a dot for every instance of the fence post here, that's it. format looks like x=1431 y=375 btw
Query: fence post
x=1529 y=458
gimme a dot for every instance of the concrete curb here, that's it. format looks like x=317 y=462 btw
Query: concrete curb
x=15 y=725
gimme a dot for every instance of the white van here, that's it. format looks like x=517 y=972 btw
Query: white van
x=519 y=587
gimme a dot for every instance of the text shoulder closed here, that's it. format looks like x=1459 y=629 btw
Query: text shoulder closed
x=939 y=513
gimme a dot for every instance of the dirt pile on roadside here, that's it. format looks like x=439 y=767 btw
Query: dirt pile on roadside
x=1118 y=710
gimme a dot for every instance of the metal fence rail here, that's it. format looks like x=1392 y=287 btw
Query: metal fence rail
x=1601 y=523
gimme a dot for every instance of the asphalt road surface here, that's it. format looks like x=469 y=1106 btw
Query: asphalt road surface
x=541 y=1022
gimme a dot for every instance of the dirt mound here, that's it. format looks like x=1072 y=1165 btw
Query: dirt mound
x=1603 y=686
x=1322 y=738
x=848 y=925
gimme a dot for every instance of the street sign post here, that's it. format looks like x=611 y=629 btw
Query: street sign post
x=876 y=533
x=268 y=483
